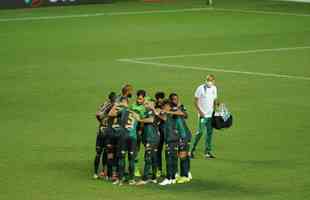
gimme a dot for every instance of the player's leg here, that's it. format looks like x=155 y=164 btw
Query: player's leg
x=209 y=2
x=169 y=168
x=147 y=165
x=138 y=147
x=154 y=157
x=118 y=171
x=184 y=161
x=121 y=157
x=209 y=136
x=104 y=155
x=174 y=162
x=200 y=130
x=147 y=162
x=99 y=150
x=132 y=144
x=160 y=150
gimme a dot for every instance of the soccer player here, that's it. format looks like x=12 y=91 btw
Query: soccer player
x=171 y=137
x=103 y=119
x=159 y=98
x=127 y=141
x=126 y=92
x=140 y=109
x=179 y=115
x=205 y=99
x=150 y=139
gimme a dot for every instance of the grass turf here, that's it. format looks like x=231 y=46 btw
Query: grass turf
x=54 y=73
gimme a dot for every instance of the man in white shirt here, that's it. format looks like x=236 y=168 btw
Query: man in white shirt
x=205 y=99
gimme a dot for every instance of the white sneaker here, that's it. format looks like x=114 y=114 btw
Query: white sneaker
x=173 y=181
x=95 y=176
x=153 y=181
x=116 y=182
x=141 y=182
x=165 y=182
x=132 y=182
x=190 y=176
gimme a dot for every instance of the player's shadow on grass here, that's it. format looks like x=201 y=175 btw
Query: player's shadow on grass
x=216 y=188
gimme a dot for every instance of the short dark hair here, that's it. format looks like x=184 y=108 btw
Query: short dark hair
x=123 y=99
x=165 y=102
x=172 y=95
x=159 y=95
x=112 y=96
x=141 y=93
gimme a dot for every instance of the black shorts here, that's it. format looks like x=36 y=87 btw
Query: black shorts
x=184 y=145
x=110 y=138
x=126 y=143
x=100 y=140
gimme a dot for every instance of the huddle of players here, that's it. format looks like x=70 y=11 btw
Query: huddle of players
x=156 y=123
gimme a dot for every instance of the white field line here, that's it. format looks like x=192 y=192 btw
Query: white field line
x=151 y=12
x=199 y=68
x=222 y=53
x=102 y=14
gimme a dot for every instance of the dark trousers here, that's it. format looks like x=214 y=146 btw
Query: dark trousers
x=125 y=145
x=184 y=147
x=100 y=151
x=150 y=162
x=171 y=159
x=110 y=147
x=160 y=147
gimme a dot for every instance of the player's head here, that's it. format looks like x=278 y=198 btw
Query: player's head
x=159 y=96
x=174 y=99
x=112 y=97
x=165 y=106
x=127 y=90
x=140 y=97
x=123 y=101
x=210 y=80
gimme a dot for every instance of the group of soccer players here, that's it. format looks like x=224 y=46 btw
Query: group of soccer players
x=158 y=124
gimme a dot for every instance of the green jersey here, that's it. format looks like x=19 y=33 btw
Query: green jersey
x=182 y=128
x=150 y=130
x=139 y=109
x=170 y=130
x=127 y=119
x=181 y=125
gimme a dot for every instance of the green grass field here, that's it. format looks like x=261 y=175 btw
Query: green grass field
x=55 y=72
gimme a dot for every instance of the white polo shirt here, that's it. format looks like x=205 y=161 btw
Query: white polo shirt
x=206 y=96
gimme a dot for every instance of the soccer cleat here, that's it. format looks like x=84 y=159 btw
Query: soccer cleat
x=173 y=181
x=178 y=178
x=182 y=180
x=190 y=176
x=165 y=182
x=116 y=182
x=95 y=176
x=137 y=173
x=121 y=183
x=132 y=182
x=153 y=181
x=209 y=155
x=142 y=182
